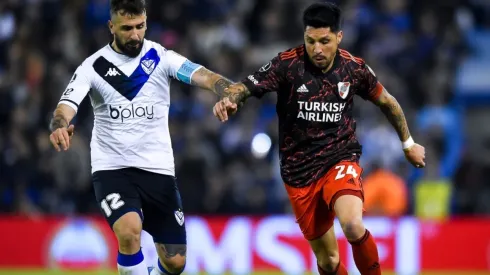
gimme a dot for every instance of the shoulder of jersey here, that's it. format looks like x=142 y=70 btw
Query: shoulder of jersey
x=104 y=50
x=350 y=59
x=292 y=53
x=91 y=59
x=153 y=44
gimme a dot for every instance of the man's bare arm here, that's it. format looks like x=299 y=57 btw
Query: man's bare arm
x=209 y=80
x=394 y=113
x=61 y=133
x=61 y=117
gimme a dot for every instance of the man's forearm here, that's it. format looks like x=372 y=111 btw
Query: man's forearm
x=394 y=113
x=61 y=117
x=212 y=81
x=58 y=121
x=238 y=94
x=220 y=85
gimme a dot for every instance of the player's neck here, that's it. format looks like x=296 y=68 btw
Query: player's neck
x=115 y=47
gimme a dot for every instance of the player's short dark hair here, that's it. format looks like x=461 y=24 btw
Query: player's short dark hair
x=323 y=15
x=132 y=7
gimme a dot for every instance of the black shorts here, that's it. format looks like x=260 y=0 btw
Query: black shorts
x=155 y=197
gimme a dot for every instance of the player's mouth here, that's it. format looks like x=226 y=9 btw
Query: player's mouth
x=319 y=58
x=133 y=45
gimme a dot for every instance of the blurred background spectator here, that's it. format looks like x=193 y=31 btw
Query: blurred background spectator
x=433 y=56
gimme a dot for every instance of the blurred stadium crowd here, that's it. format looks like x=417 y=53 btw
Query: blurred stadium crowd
x=416 y=48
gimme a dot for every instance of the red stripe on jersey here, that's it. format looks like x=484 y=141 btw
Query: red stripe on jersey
x=376 y=92
x=347 y=55
x=293 y=53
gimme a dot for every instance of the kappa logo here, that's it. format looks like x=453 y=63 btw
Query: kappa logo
x=302 y=89
x=179 y=216
x=148 y=65
x=112 y=72
x=343 y=89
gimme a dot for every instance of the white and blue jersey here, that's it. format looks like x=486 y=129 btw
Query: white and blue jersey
x=131 y=99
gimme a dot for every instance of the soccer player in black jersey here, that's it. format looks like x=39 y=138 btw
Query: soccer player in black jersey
x=316 y=84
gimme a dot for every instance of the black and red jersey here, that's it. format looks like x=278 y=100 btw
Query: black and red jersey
x=316 y=124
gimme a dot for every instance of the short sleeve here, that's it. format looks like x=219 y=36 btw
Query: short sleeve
x=370 y=87
x=80 y=84
x=179 y=67
x=267 y=79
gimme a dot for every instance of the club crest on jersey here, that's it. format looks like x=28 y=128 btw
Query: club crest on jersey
x=266 y=67
x=179 y=216
x=343 y=89
x=148 y=65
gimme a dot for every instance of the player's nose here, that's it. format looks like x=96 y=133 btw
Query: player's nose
x=134 y=35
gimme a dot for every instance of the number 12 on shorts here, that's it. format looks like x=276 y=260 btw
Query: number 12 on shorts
x=110 y=203
x=341 y=174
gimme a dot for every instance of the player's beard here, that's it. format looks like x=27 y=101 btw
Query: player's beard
x=323 y=63
x=131 y=48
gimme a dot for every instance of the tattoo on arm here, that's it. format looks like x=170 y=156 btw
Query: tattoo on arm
x=394 y=113
x=172 y=250
x=57 y=122
x=209 y=80
x=221 y=85
x=202 y=73
x=240 y=95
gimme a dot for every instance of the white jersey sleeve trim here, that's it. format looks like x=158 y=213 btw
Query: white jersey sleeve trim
x=77 y=89
x=73 y=105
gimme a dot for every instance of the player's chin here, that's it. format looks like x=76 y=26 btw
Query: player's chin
x=323 y=64
x=132 y=50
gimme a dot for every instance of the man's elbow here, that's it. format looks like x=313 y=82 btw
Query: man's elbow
x=385 y=99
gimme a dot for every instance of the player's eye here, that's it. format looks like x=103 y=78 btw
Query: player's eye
x=140 y=26
x=126 y=28
x=325 y=42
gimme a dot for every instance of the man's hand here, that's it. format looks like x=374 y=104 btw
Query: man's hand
x=62 y=136
x=415 y=154
x=223 y=108
x=233 y=98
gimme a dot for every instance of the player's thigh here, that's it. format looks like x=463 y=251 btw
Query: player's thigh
x=162 y=208
x=343 y=179
x=118 y=200
x=311 y=211
x=326 y=249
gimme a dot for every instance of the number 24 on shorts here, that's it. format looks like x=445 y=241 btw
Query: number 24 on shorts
x=110 y=203
x=341 y=174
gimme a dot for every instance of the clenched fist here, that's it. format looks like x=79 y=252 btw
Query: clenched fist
x=415 y=154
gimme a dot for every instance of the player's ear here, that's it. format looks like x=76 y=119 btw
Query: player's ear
x=111 y=26
x=340 y=35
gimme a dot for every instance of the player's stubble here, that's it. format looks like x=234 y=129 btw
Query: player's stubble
x=131 y=48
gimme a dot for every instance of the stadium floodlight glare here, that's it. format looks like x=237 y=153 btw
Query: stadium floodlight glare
x=261 y=145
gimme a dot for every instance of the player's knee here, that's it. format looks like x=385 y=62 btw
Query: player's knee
x=353 y=229
x=329 y=261
x=175 y=265
x=128 y=232
x=129 y=238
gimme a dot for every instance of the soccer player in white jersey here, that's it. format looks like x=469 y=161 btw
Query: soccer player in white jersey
x=132 y=160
